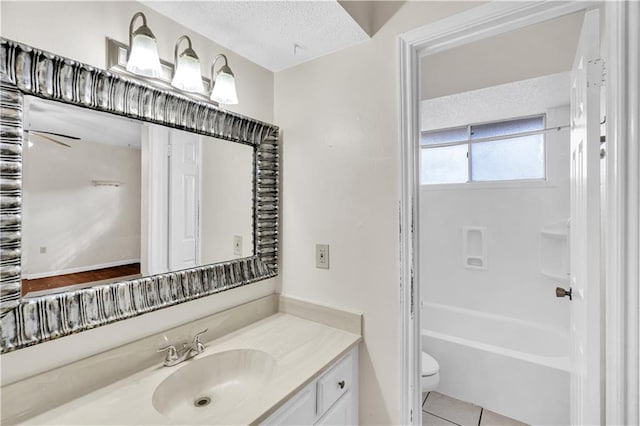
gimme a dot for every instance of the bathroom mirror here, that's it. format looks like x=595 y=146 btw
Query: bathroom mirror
x=107 y=198
x=100 y=171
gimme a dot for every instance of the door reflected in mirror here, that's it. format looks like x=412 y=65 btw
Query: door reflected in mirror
x=106 y=199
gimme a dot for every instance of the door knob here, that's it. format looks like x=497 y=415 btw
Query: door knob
x=561 y=292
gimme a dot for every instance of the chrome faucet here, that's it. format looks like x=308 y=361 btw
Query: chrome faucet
x=175 y=356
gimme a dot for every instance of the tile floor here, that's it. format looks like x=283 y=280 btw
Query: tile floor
x=442 y=410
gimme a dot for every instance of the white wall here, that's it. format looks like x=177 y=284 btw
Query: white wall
x=512 y=285
x=227 y=199
x=340 y=186
x=82 y=226
x=542 y=49
x=78 y=30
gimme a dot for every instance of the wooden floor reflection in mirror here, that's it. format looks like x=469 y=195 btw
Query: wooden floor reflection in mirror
x=66 y=282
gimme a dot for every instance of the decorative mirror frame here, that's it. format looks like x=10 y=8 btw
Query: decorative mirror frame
x=25 y=70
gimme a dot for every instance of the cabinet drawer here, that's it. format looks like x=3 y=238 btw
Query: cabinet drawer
x=334 y=383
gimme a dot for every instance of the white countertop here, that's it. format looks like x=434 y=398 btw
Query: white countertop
x=302 y=349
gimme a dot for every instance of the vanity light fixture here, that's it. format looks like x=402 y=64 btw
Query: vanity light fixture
x=143 y=54
x=223 y=83
x=187 y=75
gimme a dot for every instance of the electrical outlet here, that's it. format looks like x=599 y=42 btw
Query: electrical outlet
x=322 y=256
x=43 y=250
x=237 y=245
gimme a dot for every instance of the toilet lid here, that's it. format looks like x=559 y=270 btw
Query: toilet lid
x=429 y=365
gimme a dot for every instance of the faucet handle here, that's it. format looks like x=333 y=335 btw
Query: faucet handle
x=197 y=344
x=172 y=353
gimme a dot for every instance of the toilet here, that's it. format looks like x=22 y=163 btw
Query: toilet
x=430 y=373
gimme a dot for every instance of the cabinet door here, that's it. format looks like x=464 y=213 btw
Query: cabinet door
x=301 y=410
x=340 y=413
x=335 y=383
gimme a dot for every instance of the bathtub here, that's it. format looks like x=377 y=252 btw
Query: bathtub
x=516 y=368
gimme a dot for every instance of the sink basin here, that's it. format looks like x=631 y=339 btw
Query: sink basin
x=207 y=386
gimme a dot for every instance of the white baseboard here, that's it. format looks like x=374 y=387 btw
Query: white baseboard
x=79 y=269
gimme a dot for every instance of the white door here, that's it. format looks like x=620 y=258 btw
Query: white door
x=586 y=79
x=183 y=199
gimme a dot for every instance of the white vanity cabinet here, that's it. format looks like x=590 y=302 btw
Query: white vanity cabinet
x=330 y=399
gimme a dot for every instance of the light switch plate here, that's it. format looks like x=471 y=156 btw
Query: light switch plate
x=322 y=256
x=237 y=245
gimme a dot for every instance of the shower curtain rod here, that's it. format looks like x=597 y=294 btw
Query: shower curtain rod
x=497 y=138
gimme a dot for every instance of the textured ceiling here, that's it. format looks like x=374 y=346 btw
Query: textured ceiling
x=265 y=32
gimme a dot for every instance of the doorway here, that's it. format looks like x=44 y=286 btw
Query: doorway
x=478 y=24
x=495 y=225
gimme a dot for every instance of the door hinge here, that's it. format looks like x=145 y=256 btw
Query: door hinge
x=411 y=416
x=411 y=289
x=412 y=284
x=596 y=73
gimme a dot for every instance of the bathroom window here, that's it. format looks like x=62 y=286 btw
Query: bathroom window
x=508 y=150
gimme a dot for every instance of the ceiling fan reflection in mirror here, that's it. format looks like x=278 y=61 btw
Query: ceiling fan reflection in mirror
x=47 y=136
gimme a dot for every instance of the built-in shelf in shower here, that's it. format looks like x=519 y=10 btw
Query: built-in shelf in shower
x=555 y=233
x=475 y=247
x=554 y=251
x=558 y=229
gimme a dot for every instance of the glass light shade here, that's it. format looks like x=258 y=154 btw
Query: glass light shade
x=187 y=75
x=224 y=89
x=144 y=59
